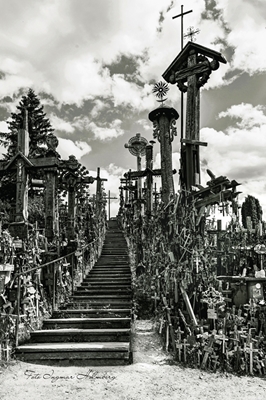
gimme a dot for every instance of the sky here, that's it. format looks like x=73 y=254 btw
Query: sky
x=93 y=65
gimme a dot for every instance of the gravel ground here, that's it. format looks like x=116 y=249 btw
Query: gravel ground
x=152 y=376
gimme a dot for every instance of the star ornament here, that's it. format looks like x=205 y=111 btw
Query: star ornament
x=160 y=89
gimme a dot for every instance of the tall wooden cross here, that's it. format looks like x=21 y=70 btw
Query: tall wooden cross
x=109 y=198
x=99 y=181
x=190 y=70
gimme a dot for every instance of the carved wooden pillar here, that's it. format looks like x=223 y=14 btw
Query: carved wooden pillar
x=50 y=203
x=149 y=166
x=164 y=129
x=71 y=208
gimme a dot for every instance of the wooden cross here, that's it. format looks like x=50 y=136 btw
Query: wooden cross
x=251 y=351
x=109 y=203
x=190 y=70
x=222 y=339
x=179 y=344
x=215 y=361
x=99 y=186
x=191 y=33
x=185 y=344
x=208 y=350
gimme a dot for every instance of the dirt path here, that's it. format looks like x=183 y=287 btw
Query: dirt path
x=152 y=376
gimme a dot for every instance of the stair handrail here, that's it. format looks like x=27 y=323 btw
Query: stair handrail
x=22 y=273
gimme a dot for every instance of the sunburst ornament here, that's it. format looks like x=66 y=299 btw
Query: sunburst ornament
x=160 y=89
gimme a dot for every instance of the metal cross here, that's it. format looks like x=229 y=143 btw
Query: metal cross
x=181 y=15
x=182 y=94
x=191 y=33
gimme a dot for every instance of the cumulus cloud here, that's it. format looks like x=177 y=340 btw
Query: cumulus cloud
x=107 y=131
x=239 y=151
x=68 y=147
x=60 y=124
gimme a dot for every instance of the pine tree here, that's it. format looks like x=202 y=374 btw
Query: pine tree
x=251 y=208
x=38 y=125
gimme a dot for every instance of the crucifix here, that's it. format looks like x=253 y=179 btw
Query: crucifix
x=190 y=70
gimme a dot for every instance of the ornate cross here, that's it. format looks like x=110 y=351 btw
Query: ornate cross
x=191 y=33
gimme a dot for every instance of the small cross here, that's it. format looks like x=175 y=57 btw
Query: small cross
x=191 y=32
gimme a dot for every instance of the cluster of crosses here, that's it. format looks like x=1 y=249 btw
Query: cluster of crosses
x=71 y=175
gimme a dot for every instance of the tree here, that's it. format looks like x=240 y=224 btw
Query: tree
x=39 y=126
x=251 y=208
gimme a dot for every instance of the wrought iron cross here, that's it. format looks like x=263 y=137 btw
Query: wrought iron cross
x=191 y=33
x=182 y=15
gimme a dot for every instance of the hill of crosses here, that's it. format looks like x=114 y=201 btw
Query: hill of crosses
x=204 y=286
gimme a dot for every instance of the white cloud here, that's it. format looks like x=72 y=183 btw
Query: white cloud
x=249 y=115
x=3 y=126
x=107 y=131
x=60 y=125
x=68 y=147
x=239 y=152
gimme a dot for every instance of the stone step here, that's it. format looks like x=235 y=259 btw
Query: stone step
x=88 y=354
x=92 y=313
x=86 y=323
x=80 y=335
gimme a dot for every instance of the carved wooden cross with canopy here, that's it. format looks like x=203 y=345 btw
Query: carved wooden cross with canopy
x=190 y=70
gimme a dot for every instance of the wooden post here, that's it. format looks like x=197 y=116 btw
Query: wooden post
x=50 y=203
x=149 y=166
x=18 y=307
x=164 y=129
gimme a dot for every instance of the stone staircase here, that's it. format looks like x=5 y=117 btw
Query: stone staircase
x=95 y=327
